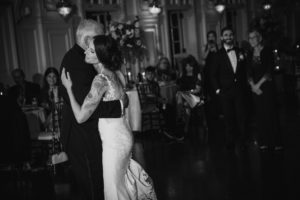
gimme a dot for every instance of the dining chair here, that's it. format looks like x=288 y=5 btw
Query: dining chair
x=152 y=117
x=15 y=149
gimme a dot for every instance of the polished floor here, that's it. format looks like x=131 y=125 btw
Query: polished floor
x=194 y=169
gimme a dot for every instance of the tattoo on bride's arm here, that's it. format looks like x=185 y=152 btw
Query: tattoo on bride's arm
x=91 y=103
x=94 y=96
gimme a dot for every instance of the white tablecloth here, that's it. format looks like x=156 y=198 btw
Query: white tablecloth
x=47 y=136
x=133 y=112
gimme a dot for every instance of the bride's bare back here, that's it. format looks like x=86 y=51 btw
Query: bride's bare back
x=105 y=85
x=110 y=83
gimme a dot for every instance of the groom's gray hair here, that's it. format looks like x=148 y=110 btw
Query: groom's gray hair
x=88 y=27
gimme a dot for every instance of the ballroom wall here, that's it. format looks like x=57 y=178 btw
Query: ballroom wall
x=8 y=50
x=34 y=36
x=37 y=38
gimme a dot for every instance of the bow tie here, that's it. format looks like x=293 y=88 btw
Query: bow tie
x=231 y=49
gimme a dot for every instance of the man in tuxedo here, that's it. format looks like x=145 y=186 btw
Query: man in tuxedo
x=228 y=79
x=82 y=142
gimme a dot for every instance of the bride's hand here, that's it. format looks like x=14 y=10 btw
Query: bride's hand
x=66 y=79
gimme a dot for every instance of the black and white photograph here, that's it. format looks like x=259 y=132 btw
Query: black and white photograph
x=149 y=99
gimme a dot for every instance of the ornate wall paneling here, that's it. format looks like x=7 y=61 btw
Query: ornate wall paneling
x=212 y=17
x=124 y=11
x=8 y=50
x=31 y=47
x=102 y=5
x=29 y=50
x=150 y=26
x=43 y=37
x=235 y=15
x=59 y=32
x=59 y=39
x=104 y=10
x=180 y=29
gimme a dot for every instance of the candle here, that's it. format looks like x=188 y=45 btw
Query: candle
x=129 y=76
x=144 y=76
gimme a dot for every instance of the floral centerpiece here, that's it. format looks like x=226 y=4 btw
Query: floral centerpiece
x=129 y=36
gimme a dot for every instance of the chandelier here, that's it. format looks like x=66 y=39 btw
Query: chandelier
x=64 y=7
x=154 y=7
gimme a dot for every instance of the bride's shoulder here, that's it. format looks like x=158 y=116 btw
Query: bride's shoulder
x=107 y=76
x=100 y=78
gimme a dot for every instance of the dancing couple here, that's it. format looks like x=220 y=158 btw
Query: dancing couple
x=103 y=101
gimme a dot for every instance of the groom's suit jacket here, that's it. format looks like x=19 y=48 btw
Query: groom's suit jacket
x=222 y=75
x=233 y=90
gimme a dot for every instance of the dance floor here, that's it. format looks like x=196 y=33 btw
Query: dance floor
x=197 y=170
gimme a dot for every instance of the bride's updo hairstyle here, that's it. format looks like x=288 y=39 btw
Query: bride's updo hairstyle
x=108 y=52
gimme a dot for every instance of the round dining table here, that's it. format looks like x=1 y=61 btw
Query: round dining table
x=35 y=118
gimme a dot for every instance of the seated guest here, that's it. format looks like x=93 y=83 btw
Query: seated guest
x=165 y=72
x=190 y=90
x=24 y=92
x=166 y=109
x=50 y=97
x=151 y=79
x=191 y=76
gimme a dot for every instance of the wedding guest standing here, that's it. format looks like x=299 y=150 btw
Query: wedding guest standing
x=210 y=50
x=228 y=80
x=209 y=53
x=212 y=102
x=260 y=78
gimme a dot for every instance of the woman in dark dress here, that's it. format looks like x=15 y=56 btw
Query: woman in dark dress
x=51 y=99
x=189 y=87
x=191 y=76
x=50 y=93
x=260 y=71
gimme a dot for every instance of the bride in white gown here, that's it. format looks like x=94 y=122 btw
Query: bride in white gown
x=124 y=178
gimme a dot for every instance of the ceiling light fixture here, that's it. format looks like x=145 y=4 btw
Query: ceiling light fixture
x=267 y=5
x=64 y=7
x=220 y=6
x=154 y=7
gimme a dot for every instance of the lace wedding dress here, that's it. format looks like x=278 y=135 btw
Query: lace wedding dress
x=124 y=178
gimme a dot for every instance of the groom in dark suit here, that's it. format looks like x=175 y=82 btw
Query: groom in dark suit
x=228 y=79
x=82 y=142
